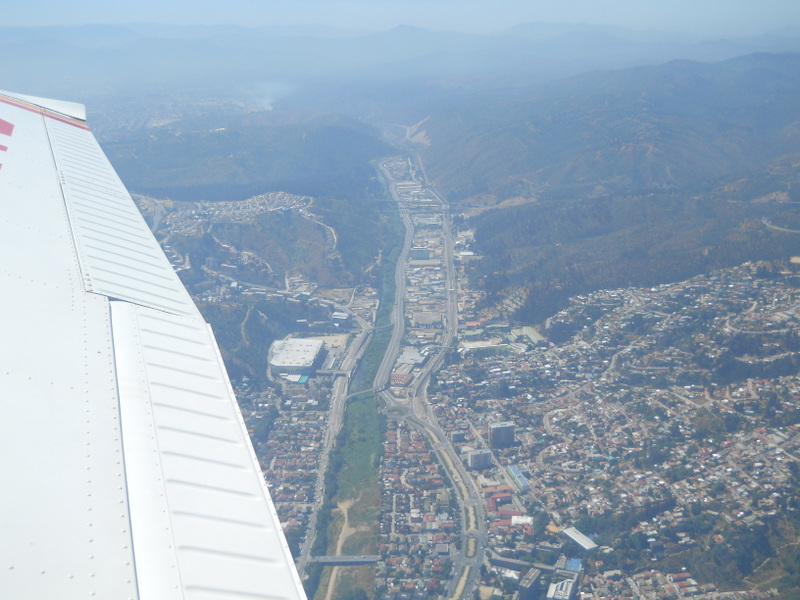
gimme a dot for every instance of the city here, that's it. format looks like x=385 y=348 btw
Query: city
x=668 y=405
x=438 y=301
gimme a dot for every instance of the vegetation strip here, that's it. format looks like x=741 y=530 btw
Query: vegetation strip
x=353 y=468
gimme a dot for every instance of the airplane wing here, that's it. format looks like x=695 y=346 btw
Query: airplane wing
x=126 y=468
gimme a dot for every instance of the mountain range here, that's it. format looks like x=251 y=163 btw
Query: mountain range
x=627 y=177
x=683 y=125
x=583 y=157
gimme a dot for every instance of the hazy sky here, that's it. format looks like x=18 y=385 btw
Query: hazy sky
x=693 y=16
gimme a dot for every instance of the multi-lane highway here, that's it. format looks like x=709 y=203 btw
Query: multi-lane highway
x=413 y=405
x=338 y=402
x=473 y=518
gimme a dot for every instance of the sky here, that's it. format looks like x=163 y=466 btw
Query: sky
x=707 y=17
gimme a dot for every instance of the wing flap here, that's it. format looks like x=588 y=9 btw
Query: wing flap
x=178 y=406
x=118 y=255
x=128 y=467
x=63 y=509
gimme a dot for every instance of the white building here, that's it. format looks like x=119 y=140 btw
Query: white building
x=561 y=590
x=294 y=356
x=579 y=538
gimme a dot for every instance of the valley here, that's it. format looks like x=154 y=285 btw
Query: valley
x=674 y=405
x=510 y=312
x=556 y=306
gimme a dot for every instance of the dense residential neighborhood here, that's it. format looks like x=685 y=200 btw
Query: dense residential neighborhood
x=660 y=425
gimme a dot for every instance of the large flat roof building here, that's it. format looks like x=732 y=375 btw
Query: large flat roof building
x=562 y=590
x=579 y=538
x=294 y=356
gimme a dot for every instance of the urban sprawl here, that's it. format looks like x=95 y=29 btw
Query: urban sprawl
x=625 y=449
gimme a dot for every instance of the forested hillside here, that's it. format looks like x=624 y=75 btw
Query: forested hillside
x=678 y=126
x=249 y=155
x=631 y=177
x=555 y=251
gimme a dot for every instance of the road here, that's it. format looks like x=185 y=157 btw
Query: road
x=467 y=563
x=416 y=409
x=338 y=403
x=381 y=380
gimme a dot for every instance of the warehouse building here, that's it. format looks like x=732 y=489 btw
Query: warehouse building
x=294 y=357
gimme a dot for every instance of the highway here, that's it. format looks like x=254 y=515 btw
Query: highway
x=341 y=384
x=415 y=409
x=467 y=563
x=336 y=412
x=381 y=380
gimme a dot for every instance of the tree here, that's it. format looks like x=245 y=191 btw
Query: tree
x=264 y=425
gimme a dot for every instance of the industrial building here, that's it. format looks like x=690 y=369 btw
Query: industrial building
x=294 y=357
x=579 y=538
x=340 y=319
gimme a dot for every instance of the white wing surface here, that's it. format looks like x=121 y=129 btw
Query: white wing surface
x=126 y=468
